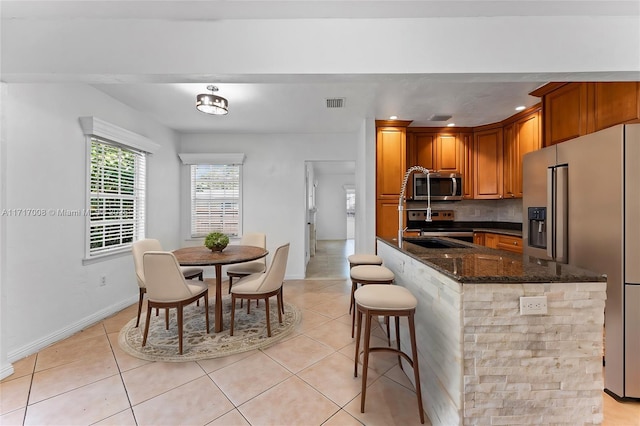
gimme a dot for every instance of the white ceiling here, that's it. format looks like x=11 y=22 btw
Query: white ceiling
x=279 y=103
x=298 y=104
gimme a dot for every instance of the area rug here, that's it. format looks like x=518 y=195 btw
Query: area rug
x=249 y=332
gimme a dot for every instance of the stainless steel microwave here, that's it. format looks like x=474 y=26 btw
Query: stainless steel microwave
x=444 y=186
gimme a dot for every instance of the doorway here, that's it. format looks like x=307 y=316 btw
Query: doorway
x=350 y=195
x=329 y=203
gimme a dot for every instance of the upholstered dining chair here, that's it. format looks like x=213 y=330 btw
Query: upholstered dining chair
x=263 y=286
x=167 y=288
x=149 y=244
x=240 y=270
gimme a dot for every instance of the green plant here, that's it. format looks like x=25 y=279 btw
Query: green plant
x=216 y=240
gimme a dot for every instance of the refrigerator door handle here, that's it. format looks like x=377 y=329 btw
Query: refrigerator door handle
x=551 y=229
x=561 y=214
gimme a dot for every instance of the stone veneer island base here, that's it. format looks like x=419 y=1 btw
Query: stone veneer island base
x=481 y=362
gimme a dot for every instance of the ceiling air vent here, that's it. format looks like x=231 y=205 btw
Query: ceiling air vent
x=439 y=117
x=335 y=102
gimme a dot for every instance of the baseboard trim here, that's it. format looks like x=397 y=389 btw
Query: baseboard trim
x=56 y=336
x=6 y=371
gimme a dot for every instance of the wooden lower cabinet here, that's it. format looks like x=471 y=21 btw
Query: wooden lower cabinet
x=478 y=238
x=387 y=218
x=498 y=241
x=491 y=240
x=509 y=243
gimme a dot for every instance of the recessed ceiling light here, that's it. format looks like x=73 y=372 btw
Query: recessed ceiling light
x=451 y=124
x=520 y=108
x=393 y=117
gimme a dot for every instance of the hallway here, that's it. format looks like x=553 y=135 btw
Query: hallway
x=330 y=260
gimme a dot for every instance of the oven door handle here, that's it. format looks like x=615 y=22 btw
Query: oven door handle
x=455 y=186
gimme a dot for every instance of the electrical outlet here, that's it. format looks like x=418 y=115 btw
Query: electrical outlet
x=103 y=280
x=533 y=305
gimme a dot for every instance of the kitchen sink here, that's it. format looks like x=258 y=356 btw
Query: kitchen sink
x=435 y=243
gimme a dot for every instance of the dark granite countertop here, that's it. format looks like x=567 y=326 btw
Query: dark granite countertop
x=472 y=263
x=513 y=232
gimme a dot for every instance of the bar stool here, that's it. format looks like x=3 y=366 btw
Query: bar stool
x=362 y=259
x=368 y=274
x=386 y=300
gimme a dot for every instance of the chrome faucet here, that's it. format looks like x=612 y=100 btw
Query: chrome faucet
x=401 y=200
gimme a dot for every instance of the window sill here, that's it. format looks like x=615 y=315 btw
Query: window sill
x=107 y=256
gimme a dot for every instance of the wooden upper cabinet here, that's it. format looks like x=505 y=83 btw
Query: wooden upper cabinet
x=567 y=113
x=488 y=165
x=520 y=137
x=422 y=150
x=448 y=153
x=467 y=165
x=510 y=156
x=575 y=109
x=391 y=161
x=436 y=151
x=615 y=103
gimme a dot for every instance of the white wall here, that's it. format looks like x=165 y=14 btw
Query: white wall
x=365 y=238
x=47 y=291
x=332 y=206
x=6 y=368
x=274 y=195
x=494 y=44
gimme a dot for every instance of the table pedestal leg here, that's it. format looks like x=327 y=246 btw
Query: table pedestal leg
x=218 y=305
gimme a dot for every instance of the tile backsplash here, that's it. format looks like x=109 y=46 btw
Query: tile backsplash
x=479 y=210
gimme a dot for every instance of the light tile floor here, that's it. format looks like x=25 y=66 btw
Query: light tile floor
x=306 y=379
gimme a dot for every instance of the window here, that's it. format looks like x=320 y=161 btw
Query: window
x=351 y=201
x=215 y=199
x=117 y=197
x=212 y=194
x=116 y=187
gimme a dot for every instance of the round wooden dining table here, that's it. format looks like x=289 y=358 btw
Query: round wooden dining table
x=202 y=256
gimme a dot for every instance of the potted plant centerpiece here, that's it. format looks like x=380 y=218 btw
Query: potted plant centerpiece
x=216 y=241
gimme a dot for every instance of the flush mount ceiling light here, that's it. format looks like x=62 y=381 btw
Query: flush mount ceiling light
x=210 y=103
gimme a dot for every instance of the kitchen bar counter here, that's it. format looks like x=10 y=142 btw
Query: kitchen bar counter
x=485 y=362
x=480 y=264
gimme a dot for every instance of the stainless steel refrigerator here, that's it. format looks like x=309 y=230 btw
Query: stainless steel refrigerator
x=581 y=206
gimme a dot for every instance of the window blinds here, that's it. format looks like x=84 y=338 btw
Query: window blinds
x=117 y=197
x=215 y=199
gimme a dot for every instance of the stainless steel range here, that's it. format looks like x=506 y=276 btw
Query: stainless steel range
x=442 y=225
